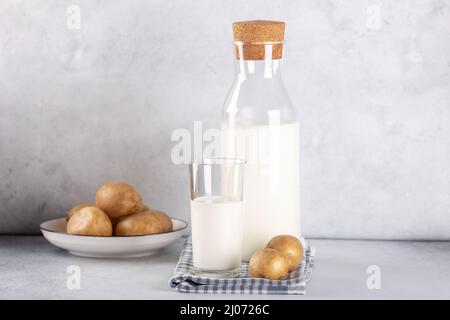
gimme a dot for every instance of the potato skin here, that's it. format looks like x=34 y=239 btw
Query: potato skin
x=118 y=199
x=165 y=220
x=268 y=264
x=290 y=247
x=115 y=221
x=138 y=224
x=77 y=208
x=90 y=221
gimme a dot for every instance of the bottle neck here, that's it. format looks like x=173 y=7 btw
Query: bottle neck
x=258 y=69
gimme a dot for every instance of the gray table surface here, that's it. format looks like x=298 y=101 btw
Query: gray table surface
x=31 y=268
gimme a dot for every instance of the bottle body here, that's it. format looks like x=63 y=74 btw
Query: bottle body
x=260 y=126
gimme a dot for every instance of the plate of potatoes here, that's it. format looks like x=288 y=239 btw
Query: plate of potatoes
x=116 y=225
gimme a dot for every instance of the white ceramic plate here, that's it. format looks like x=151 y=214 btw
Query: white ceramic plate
x=109 y=247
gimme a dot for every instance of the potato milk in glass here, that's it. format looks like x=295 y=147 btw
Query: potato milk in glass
x=217 y=211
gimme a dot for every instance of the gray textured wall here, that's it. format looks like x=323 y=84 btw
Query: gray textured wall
x=78 y=107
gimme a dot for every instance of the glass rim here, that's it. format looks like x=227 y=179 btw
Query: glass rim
x=218 y=161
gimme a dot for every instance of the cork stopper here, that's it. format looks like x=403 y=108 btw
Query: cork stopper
x=254 y=37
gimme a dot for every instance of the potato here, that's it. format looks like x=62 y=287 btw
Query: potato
x=77 y=208
x=137 y=224
x=290 y=247
x=118 y=199
x=269 y=264
x=90 y=221
x=165 y=220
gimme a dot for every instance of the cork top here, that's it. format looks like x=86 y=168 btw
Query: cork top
x=258 y=31
x=254 y=37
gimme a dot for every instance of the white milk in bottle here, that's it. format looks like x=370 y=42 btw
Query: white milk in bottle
x=271 y=181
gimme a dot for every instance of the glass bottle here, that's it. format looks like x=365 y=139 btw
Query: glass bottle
x=260 y=126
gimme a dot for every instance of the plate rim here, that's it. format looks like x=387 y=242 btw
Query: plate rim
x=111 y=237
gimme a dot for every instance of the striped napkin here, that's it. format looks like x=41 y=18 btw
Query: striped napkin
x=185 y=279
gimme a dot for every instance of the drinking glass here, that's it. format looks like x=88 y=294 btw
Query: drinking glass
x=217 y=210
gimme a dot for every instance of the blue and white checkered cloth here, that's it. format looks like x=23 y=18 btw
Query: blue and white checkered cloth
x=186 y=280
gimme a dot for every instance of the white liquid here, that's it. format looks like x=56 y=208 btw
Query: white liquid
x=216 y=233
x=271 y=181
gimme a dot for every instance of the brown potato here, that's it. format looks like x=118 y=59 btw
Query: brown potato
x=77 y=208
x=118 y=199
x=137 y=224
x=90 y=221
x=165 y=220
x=269 y=264
x=289 y=246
